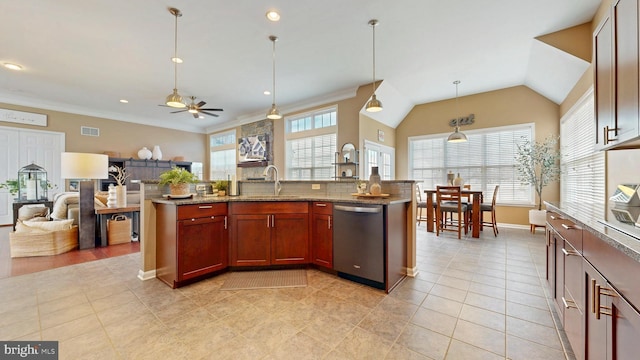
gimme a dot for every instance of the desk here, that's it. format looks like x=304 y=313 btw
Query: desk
x=105 y=214
x=475 y=208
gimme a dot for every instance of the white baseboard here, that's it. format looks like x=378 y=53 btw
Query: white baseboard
x=512 y=226
x=412 y=272
x=146 y=275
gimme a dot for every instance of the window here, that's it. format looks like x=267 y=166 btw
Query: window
x=381 y=156
x=583 y=168
x=311 y=145
x=223 y=155
x=487 y=159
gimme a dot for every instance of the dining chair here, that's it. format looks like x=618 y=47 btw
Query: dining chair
x=421 y=205
x=449 y=200
x=490 y=208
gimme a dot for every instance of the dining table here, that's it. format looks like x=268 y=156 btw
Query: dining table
x=476 y=200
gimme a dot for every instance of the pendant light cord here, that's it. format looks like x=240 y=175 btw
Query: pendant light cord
x=273 y=40
x=457 y=106
x=175 y=55
x=373 y=25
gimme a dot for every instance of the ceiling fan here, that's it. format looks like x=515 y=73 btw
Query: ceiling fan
x=197 y=109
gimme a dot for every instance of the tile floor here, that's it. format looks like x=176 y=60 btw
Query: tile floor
x=473 y=299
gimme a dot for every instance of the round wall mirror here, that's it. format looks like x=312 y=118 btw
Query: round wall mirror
x=348 y=152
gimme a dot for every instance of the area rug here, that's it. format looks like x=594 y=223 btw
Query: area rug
x=268 y=279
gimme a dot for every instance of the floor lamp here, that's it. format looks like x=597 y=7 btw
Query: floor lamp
x=86 y=168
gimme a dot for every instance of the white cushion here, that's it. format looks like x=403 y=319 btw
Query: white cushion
x=49 y=225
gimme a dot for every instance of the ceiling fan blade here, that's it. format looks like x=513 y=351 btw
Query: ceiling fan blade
x=200 y=104
x=211 y=109
x=208 y=113
x=179 y=111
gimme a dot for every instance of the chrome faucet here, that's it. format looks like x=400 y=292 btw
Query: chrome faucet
x=276 y=181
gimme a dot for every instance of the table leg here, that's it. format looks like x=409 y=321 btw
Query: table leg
x=476 y=216
x=103 y=229
x=430 y=212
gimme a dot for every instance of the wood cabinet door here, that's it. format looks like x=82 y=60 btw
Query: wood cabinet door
x=559 y=281
x=551 y=261
x=202 y=246
x=604 y=83
x=624 y=329
x=250 y=240
x=322 y=240
x=625 y=23
x=290 y=239
x=595 y=328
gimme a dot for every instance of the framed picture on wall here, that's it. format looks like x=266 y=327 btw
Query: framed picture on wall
x=74 y=185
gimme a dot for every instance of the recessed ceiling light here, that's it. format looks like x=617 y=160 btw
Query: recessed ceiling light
x=273 y=15
x=124 y=101
x=267 y=92
x=12 y=66
x=200 y=116
x=176 y=60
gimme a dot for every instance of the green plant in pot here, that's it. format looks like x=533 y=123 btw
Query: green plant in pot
x=538 y=165
x=221 y=186
x=178 y=180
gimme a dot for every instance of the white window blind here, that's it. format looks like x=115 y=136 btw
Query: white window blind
x=487 y=159
x=311 y=158
x=223 y=155
x=583 y=168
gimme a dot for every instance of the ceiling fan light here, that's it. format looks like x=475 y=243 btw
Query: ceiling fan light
x=175 y=100
x=374 y=105
x=274 y=113
x=457 y=137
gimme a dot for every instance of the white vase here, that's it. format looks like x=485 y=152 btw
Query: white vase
x=458 y=181
x=112 y=197
x=144 y=153
x=537 y=217
x=156 y=154
x=121 y=196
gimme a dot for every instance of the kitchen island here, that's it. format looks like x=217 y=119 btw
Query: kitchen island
x=204 y=235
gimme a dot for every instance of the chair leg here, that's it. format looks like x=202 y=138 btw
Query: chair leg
x=495 y=224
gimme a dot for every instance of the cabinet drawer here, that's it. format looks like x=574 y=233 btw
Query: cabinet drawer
x=322 y=207
x=201 y=210
x=569 y=230
x=270 y=207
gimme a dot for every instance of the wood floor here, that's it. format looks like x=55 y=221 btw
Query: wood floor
x=19 y=266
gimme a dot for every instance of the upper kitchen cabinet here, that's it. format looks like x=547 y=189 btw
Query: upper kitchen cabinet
x=616 y=77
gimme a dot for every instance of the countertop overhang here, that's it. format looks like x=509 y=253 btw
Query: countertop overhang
x=280 y=198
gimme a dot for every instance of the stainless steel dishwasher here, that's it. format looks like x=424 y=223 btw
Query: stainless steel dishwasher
x=358 y=242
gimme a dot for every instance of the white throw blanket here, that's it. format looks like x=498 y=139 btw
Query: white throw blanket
x=62 y=201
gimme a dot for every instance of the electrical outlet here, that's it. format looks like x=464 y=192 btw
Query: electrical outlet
x=315 y=186
x=201 y=187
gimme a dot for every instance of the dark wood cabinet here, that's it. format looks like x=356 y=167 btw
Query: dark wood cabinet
x=322 y=234
x=625 y=34
x=595 y=326
x=191 y=241
x=573 y=298
x=269 y=233
x=616 y=81
x=603 y=83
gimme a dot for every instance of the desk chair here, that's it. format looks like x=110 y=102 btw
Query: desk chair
x=449 y=200
x=490 y=208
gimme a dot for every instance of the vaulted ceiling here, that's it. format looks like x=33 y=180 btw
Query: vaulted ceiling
x=84 y=56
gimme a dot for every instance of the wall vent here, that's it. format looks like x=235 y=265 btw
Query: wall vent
x=89 y=131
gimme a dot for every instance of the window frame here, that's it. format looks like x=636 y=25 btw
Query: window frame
x=223 y=147
x=486 y=184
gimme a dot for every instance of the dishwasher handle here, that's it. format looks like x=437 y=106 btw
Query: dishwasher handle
x=358 y=209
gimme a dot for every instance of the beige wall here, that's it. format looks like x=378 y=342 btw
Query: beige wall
x=368 y=130
x=516 y=105
x=119 y=136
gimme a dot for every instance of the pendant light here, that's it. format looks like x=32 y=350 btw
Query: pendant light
x=457 y=136
x=174 y=99
x=273 y=113
x=374 y=105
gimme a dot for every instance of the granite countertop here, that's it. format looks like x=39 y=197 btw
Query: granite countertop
x=623 y=237
x=393 y=199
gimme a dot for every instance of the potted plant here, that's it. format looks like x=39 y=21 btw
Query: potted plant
x=11 y=185
x=178 y=180
x=537 y=164
x=221 y=186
